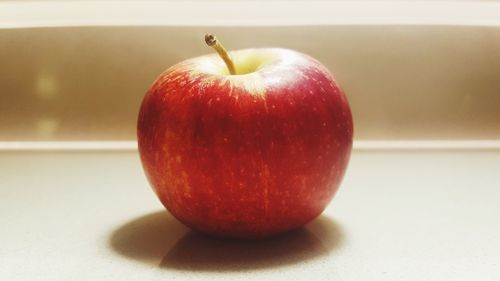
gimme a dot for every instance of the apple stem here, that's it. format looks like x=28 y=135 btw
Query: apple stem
x=212 y=41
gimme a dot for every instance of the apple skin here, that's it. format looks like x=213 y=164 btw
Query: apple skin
x=248 y=155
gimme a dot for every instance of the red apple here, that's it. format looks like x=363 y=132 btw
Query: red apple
x=247 y=155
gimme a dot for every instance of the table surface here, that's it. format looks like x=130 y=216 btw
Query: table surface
x=399 y=215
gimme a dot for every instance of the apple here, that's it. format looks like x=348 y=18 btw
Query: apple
x=250 y=154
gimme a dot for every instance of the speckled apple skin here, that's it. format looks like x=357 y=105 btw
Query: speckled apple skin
x=249 y=155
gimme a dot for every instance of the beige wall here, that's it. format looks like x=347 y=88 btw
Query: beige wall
x=403 y=82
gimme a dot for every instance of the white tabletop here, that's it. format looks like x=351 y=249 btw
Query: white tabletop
x=398 y=216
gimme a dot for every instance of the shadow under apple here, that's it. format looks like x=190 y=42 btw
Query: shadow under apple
x=159 y=239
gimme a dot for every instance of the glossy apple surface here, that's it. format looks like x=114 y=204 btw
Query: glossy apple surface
x=247 y=155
